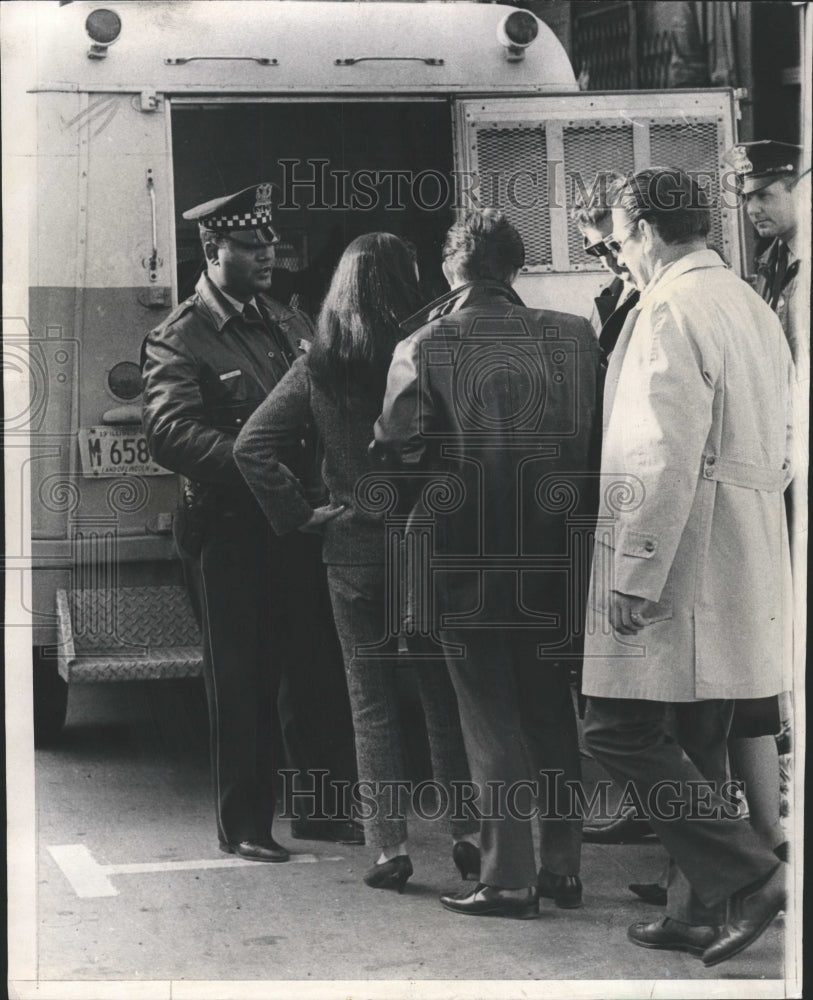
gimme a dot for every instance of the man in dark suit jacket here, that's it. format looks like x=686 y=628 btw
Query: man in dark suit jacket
x=500 y=401
x=206 y=369
x=592 y=214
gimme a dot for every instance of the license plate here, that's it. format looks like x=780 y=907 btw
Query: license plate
x=116 y=451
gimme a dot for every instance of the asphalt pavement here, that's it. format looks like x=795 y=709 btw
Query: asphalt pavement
x=131 y=886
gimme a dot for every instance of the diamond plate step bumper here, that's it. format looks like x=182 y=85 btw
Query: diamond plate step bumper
x=127 y=634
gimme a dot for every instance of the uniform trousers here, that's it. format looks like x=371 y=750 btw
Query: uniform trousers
x=518 y=718
x=245 y=643
x=671 y=753
x=272 y=671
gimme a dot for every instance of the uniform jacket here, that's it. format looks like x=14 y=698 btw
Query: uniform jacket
x=792 y=306
x=355 y=537
x=695 y=460
x=201 y=383
x=498 y=401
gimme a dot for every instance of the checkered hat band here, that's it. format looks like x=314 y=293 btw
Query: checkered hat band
x=237 y=221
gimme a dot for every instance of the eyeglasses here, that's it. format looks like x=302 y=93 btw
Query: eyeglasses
x=614 y=243
x=599 y=249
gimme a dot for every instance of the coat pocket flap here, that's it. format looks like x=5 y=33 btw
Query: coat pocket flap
x=638 y=543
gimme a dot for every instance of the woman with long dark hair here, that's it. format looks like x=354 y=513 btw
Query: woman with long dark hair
x=338 y=386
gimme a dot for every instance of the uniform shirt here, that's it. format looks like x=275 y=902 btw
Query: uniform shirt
x=260 y=338
x=206 y=369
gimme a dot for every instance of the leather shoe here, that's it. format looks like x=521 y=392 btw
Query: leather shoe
x=490 y=901
x=624 y=830
x=347 y=831
x=268 y=850
x=649 y=892
x=672 y=935
x=749 y=913
x=564 y=890
x=339 y=831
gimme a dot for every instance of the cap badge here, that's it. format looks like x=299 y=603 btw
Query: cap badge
x=262 y=201
x=740 y=161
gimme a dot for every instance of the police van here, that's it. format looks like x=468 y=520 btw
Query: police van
x=366 y=116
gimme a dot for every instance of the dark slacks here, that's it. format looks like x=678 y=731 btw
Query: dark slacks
x=313 y=707
x=359 y=596
x=715 y=851
x=245 y=644
x=518 y=718
x=269 y=640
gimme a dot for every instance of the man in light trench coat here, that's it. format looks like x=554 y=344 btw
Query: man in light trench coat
x=691 y=594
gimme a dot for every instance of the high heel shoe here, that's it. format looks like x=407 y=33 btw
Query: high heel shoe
x=391 y=874
x=467 y=858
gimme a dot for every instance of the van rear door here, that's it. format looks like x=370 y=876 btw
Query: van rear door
x=530 y=156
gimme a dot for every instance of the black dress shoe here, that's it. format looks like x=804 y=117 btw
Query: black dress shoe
x=624 y=830
x=649 y=892
x=267 y=850
x=564 y=890
x=467 y=858
x=348 y=831
x=490 y=901
x=390 y=874
x=672 y=935
x=749 y=913
x=338 y=831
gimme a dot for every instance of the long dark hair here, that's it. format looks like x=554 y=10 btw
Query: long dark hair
x=374 y=288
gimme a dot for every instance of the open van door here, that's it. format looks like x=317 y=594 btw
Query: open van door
x=529 y=156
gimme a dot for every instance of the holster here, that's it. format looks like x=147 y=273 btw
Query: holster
x=189 y=522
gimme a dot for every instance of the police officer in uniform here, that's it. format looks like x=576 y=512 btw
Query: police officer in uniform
x=767 y=173
x=206 y=369
x=768 y=177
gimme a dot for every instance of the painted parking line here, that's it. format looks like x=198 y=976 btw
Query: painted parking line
x=89 y=879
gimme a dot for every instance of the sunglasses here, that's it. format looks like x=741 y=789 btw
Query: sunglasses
x=614 y=243
x=595 y=249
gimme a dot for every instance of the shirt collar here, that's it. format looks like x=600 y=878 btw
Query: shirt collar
x=220 y=304
x=627 y=289
x=238 y=305
x=458 y=298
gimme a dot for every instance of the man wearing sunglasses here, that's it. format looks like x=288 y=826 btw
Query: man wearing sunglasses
x=206 y=369
x=691 y=584
x=592 y=215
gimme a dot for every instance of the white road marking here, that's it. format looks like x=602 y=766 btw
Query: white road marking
x=80 y=868
x=90 y=880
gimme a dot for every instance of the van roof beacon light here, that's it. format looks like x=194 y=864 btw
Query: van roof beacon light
x=104 y=28
x=515 y=33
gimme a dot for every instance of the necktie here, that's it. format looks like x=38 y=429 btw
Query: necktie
x=780 y=274
x=252 y=314
x=790 y=274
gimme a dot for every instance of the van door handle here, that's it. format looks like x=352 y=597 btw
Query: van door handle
x=183 y=60
x=428 y=60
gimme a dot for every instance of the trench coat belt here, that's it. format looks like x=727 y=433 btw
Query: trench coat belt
x=751 y=477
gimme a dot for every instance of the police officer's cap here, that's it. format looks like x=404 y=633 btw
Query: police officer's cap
x=758 y=164
x=244 y=217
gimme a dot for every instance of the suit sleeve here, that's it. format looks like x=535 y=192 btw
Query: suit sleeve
x=658 y=435
x=276 y=427
x=178 y=435
x=407 y=413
